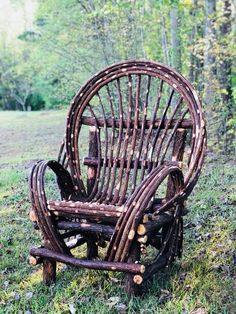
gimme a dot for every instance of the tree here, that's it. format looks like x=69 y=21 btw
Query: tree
x=175 y=42
x=225 y=73
x=71 y=40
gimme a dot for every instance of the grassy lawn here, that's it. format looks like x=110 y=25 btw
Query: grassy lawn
x=203 y=281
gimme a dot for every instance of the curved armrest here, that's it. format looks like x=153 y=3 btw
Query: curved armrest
x=135 y=206
x=64 y=179
x=147 y=188
x=52 y=239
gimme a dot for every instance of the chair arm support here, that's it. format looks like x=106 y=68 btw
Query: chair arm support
x=153 y=180
x=135 y=206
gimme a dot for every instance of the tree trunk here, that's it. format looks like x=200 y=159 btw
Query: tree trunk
x=175 y=42
x=224 y=72
x=192 y=41
x=210 y=81
x=164 y=41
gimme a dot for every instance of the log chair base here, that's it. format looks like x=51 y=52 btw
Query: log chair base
x=135 y=274
x=90 y=264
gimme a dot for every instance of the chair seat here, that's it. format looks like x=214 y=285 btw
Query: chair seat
x=92 y=211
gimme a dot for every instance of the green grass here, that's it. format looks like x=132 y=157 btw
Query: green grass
x=203 y=281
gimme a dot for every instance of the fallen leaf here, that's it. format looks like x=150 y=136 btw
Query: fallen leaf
x=82 y=300
x=182 y=277
x=29 y=295
x=9 y=240
x=199 y=226
x=16 y=296
x=200 y=310
x=165 y=296
x=121 y=308
x=112 y=301
x=72 y=308
x=208 y=235
x=216 y=267
x=6 y=283
x=115 y=280
x=188 y=287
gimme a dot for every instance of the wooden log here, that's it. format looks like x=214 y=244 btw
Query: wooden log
x=154 y=225
x=96 y=206
x=145 y=218
x=83 y=213
x=151 y=269
x=49 y=271
x=92 y=248
x=86 y=227
x=143 y=239
x=185 y=124
x=138 y=279
x=111 y=220
x=156 y=207
x=102 y=265
x=155 y=240
x=84 y=205
x=131 y=234
x=93 y=162
x=93 y=153
x=141 y=230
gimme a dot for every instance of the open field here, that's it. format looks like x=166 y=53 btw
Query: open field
x=204 y=281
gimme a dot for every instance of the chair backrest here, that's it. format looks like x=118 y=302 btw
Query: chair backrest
x=134 y=114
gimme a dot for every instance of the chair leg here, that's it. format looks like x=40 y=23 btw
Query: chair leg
x=92 y=249
x=49 y=271
x=131 y=288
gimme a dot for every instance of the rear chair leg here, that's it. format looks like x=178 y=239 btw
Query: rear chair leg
x=92 y=249
x=49 y=271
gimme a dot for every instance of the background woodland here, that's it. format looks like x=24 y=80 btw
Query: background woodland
x=44 y=65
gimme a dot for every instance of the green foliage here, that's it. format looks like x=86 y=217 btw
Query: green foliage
x=46 y=64
x=35 y=101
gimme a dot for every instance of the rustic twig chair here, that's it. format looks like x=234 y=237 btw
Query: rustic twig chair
x=146 y=142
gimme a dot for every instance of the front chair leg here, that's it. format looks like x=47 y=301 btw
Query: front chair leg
x=49 y=271
x=92 y=248
x=131 y=287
